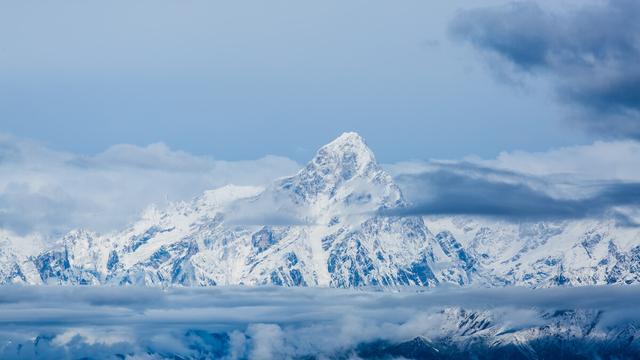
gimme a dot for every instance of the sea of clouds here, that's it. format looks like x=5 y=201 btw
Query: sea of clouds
x=266 y=322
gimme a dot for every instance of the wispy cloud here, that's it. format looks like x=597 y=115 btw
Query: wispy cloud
x=51 y=191
x=272 y=207
x=600 y=161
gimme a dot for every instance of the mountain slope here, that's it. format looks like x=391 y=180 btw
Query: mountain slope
x=322 y=227
x=544 y=254
x=319 y=227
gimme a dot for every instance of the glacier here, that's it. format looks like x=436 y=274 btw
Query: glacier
x=325 y=227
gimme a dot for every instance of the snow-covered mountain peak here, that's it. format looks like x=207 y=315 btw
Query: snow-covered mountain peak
x=218 y=198
x=322 y=227
x=75 y=234
x=343 y=172
x=348 y=154
x=348 y=141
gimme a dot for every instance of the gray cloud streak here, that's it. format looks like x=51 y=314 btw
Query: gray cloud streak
x=468 y=189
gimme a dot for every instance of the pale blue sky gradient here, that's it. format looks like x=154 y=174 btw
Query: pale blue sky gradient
x=238 y=81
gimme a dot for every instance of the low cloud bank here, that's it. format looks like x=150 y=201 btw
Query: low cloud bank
x=51 y=192
x=48 y=192
x=600 y=180
x=268 y=322
x=467 y=189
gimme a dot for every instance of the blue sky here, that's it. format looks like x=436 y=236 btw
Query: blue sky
x=535 y=99
x=238 y=81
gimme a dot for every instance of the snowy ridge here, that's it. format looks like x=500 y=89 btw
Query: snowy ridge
x=322 y=227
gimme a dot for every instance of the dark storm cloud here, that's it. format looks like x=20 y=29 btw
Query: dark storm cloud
x=592 y=54
x=468 y=189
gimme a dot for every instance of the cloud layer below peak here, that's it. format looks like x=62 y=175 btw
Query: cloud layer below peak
x=272 y=322
x=50 y=192
x=600 y=181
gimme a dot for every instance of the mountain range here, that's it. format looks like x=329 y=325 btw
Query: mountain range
x=326 y=227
